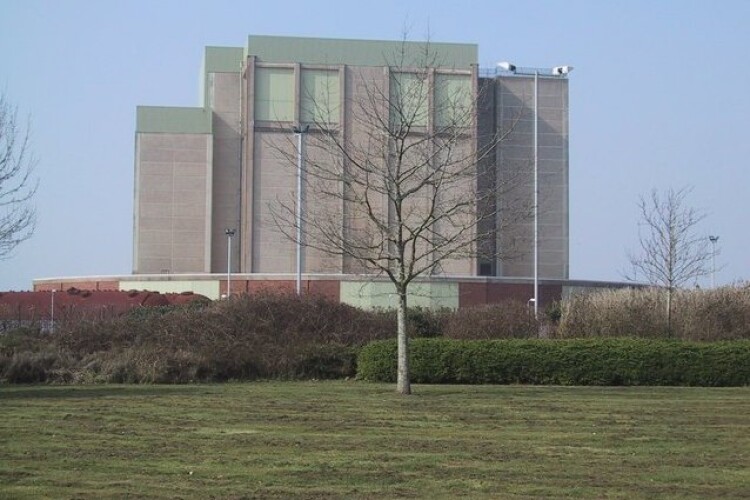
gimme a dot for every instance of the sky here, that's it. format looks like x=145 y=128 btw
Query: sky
x=658 y=99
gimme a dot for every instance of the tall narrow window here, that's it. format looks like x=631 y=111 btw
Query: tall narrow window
x=452 y=100
x=320 y=96
x=274 y=94
x=409 y=99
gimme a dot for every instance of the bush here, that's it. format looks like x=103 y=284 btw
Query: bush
x=326 y=362
x=29 y=367
x=424 y=323
x=614 y=313
x=244 y=338
x=286 y=337
x=699 y=315
x=507 y=320
x=566 y=362
x=718 y=314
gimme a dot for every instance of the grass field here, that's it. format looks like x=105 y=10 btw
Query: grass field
x=352 y=439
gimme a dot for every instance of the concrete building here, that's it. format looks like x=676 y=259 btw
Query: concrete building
x=200 y=171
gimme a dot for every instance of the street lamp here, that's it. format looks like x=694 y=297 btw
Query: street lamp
x=299 y=132
x=556 y=71
x=714 y=240
x=229 y=233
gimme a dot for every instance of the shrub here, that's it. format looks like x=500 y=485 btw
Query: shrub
x=377 y=361
x=507 y=320
x=718 y=314
x=425 y=323
x=326 y=362
x=246 y=337
x=285 y=336
x=705 y=315
x=22 y=339
x=29 y=367
x=567 y=362
x=553 y=312
x=614 y=313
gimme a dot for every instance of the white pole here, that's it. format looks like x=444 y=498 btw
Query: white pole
x=229 y=233
x=299 y=211
x=229 y=265
x=536 y=194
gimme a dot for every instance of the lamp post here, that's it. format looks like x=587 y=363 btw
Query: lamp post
x=299 y=132
x=52 y=312
x=556 y=71
x=714 y=239
x=229 y=233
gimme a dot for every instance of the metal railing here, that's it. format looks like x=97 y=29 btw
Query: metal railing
x=519 y=72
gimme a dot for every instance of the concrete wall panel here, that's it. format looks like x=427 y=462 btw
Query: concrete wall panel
x=225 y=103
x=170 y=213
x=379 y=294
x=515 y=99
x=274 y=184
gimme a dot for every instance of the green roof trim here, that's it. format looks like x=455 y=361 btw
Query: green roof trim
x=281 y=49
x=223 y=59
x=160 y=119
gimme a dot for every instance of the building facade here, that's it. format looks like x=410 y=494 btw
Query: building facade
x=222 y=165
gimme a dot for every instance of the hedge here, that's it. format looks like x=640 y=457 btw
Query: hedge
x=563 y=362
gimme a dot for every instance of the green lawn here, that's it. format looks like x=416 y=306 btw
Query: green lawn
x=353 y=439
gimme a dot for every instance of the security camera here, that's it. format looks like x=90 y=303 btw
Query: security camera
x=562 y=70
x=507 y=66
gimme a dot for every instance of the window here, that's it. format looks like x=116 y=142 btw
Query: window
x=320 y=96
x=409 y=99
x=274 y=94
x=452 y=100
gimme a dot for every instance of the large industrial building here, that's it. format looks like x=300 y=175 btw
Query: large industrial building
x=202 y=170
x=222 y=165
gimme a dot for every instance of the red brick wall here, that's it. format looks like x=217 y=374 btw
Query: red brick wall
x=326 y=288
x=474 y=294
x=470 y=293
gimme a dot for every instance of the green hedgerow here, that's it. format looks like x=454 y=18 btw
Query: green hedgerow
x=564 y=362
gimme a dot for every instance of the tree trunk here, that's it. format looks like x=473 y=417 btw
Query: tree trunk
x=403 y=385
x=669 y=312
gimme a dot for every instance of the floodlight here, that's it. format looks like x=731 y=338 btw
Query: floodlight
x=562 y=70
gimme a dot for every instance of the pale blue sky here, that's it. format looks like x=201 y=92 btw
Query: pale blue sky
x=659 y=97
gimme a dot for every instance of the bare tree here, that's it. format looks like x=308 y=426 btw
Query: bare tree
x=17 y=184
x=407 y=190
x=671 y=253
